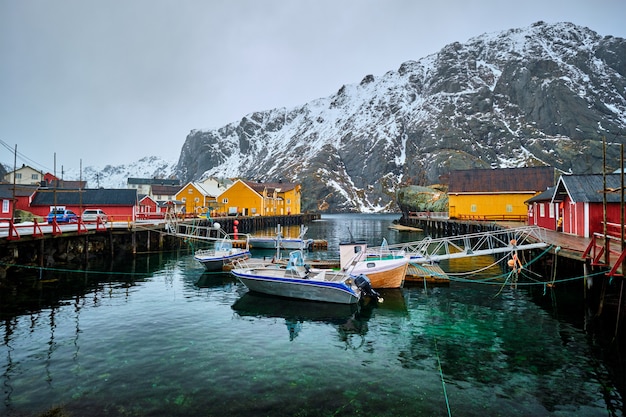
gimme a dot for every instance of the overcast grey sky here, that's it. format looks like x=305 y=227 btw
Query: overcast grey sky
x=109 y=81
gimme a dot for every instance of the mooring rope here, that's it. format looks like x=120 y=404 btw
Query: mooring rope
x=507 y=275
x=443 y=382
x=458 y=274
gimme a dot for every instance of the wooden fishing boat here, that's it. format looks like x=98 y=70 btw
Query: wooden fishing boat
x=385 y=268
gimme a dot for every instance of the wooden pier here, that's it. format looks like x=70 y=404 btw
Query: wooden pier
x=48 y=245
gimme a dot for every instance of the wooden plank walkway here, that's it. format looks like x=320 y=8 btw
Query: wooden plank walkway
x=571 y=246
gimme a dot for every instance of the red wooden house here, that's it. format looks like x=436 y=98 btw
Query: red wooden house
x=118 y=204
x=50 y=180
x=23 y=195
x=149 y=208
x=580 y=202
x=6 y=198
x=542 y=211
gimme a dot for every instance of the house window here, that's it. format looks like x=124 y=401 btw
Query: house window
x=551 y=210
x=190 y=191
x=288 y=201
x=509 y=208
x=224 y=200
x=34 y=176
x=184 y=199
x=196 y=200
x=5 y=206
x=542 y=210
x=18 y=176
x=473 y=208
x=253 y=210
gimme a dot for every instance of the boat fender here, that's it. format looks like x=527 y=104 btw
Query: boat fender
x=365 y=285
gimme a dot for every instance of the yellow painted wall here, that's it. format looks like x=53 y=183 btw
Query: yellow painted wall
x=468 y=205
x=247 y=201
x=292 y=200
x=250 y=203
x=195 y=201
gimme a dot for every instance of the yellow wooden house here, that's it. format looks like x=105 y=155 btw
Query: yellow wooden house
x=496 y=194
x=195 y=198
x=248 y=198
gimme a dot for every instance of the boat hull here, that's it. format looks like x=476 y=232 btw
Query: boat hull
x=303 y=289
x=262 y=243
x=216 y=261
x=287 y=244
x=383 y=273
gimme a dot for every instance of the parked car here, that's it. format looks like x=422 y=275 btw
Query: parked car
x=92 y=215
x=62 y=216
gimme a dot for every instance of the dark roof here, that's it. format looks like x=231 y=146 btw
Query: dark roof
x=271 y=186
x=21 y=190
x=531 y=179
x=66 y=184
x=165 y=189
x=6 y=193
x=545 y=196
x=588 y=188
x=97 y=196
x=153 y=181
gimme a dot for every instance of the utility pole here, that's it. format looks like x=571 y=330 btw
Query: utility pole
x=606 y=242
x=13 y=200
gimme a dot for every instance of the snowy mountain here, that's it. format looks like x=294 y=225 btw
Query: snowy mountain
x=544 y=94
x=111 y=176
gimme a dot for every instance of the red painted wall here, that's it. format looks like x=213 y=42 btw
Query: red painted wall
x=114 y=213
x=545 y=221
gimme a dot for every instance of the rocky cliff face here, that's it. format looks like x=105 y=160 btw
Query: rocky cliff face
x=545 y=94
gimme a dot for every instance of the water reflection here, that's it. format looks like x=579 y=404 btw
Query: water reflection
x=297 y=313
x=214 y=280
x=127 y=343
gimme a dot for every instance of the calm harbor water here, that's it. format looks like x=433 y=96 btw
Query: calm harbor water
x=159 y=337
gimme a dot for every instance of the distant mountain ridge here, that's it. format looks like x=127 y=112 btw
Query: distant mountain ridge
x=116 y=176
x=546 y=94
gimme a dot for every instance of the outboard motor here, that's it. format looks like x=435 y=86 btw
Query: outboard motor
x=364 y=284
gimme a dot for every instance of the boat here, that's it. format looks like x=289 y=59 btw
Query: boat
x=269 y=242
x=385 y=268
x=222 y=254
x=280 y=242
x=297 y=280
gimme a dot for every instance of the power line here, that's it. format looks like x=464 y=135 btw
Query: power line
x=25 y=159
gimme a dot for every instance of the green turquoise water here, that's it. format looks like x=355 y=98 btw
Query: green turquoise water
x=167 y=339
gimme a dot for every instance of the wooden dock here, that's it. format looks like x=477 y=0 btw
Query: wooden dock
x=402 y=228
x=430 y=273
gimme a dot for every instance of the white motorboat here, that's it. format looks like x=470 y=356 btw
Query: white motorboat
x=297 y=280
x=280 y=242
x=222 y=254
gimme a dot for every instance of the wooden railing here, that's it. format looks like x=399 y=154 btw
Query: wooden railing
x=607 y=253
x=494 y=217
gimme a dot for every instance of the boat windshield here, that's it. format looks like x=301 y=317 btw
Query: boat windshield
x=295 y=259
x=224 y=245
